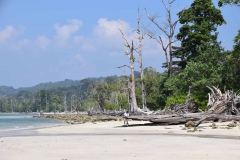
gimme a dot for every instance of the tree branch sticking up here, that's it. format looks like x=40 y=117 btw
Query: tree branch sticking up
x=129 y=52
x=169 y=31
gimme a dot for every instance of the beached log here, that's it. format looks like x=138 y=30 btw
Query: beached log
x=108 y=119
x=198 y=118
x=222 y=106
x=218 y=117
x=188 y=107
x=108 y=113
x=227 y=103
x=168 y=119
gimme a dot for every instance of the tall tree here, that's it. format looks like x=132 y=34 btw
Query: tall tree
x=200 y=23
x=100 y=93
x=140 y=39
x=129 y=53
x=232 y=67
x=169 y=30
x=206 y=69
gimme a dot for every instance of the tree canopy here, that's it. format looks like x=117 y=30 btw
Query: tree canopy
x=199 y=24
x=232 y=2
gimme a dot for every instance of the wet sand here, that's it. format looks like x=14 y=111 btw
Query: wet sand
x=110 y=140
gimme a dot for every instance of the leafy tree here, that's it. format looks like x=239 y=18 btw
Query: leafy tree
x=200 y=23
x=236 y=46
x=85 y=84
x=164 y=92
x=176 y=99
x=154 y=82
x=206 y=69
x=3 y=105
x=110 y=80
x=232 y=67
x=232 y=2
x=122 y=101
x=100 y=93
x=88 y=105
x=7 y=91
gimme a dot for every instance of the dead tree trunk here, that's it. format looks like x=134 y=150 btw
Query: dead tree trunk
x=11 y=106
x=223 y=106
x=65 y=103
x=132 y=79
x=227 y=103
x=169 y=31
x=129 y=53
x=140 y=39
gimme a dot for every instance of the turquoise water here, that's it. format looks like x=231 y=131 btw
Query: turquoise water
x=25 y=121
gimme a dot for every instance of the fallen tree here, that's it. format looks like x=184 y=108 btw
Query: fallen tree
x=227 y=103
x=188 y=107
x=224 y=107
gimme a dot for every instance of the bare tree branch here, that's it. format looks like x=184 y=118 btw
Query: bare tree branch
x=131 y=83
x=171 y=43
x=170 y=2
x=125 y=40
x=124 y=66
x=154 y=21
x=168 y=30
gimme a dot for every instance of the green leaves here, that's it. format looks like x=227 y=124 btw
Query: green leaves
x=176 y=99
x=231 y=2
x=200 y=21
x=206 y=69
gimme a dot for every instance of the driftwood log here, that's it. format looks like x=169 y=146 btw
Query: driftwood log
x=221 y=106
x=227 y=103
x=188 y=107
x=198 y=118
x=108 y=113
x=224 y=107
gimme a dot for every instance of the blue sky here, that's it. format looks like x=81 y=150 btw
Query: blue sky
x=43 y=41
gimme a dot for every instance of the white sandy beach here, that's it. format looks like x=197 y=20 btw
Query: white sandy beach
x=108 y=140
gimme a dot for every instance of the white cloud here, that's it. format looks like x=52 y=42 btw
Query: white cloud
x=81 y=59
x=21 y=44
x=107 y=28
x=9 y=32
x=85 y=44
x=107 y=33
x=152 y=47
x=42 y=42
x=65 y=32
x=87 y=47
x=106 y=40
x=78 y=39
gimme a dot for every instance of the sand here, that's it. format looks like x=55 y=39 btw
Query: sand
x=109 y=140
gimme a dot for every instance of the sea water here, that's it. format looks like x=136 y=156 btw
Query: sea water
x=25 y=121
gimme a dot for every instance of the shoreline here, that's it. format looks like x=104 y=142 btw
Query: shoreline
x=110 y=140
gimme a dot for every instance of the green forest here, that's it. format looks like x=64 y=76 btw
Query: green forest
x=201 y=61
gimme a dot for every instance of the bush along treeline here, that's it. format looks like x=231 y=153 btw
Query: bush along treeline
x=198 y=62
x=105 y=93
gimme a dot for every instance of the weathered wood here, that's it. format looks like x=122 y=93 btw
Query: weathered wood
x=129 y=47
x=223 y=106
x=168 y=119
x=183 y=118
x=108 y=113
x=227 y=103
x=218 y=117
